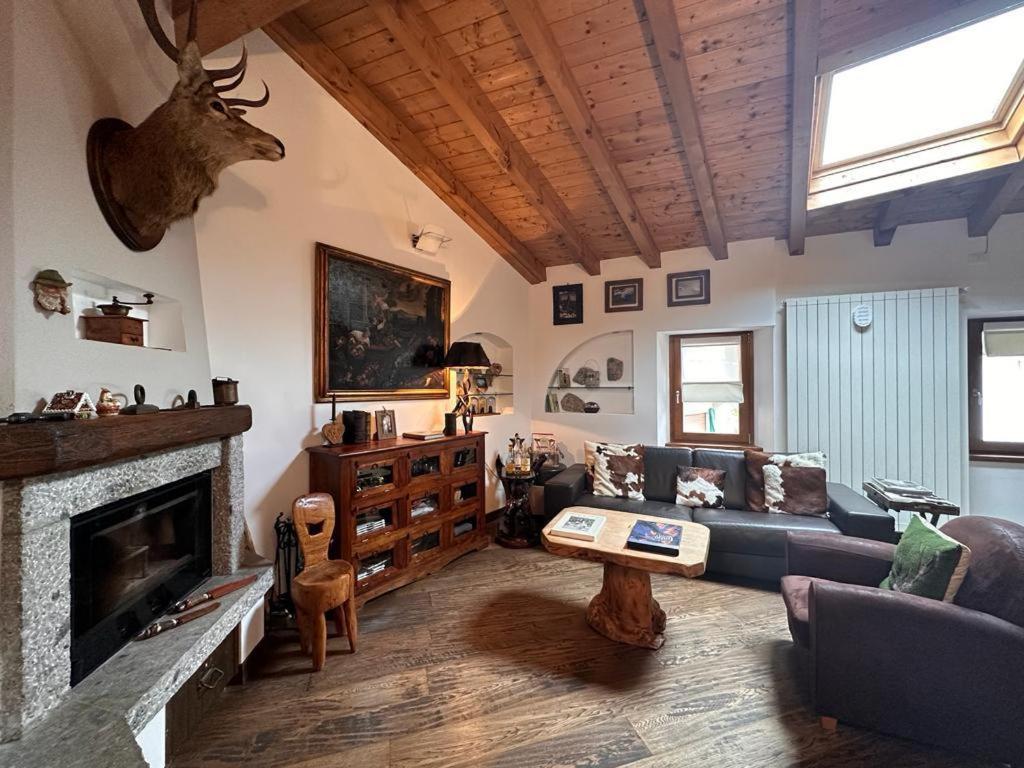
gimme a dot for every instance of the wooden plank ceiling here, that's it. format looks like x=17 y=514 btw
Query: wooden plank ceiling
x=553 y=130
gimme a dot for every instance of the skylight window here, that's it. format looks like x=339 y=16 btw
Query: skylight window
x=948 y=84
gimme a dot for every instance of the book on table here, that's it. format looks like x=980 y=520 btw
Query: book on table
x=579 y=525
x=656 y=538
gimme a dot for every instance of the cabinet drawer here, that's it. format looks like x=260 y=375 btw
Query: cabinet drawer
x=198 y=697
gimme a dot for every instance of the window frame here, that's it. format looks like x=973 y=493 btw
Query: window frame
x=979 y=448
x=677 y=435
x=978 y=151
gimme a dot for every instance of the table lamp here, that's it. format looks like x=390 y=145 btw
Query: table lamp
x=464 y=356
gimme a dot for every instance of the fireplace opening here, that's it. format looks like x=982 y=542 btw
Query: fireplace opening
x=132 y=559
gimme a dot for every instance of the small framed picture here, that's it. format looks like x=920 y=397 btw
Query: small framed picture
x=624 y=295
x=687 y=288
x=567 y=301
x=386 y=428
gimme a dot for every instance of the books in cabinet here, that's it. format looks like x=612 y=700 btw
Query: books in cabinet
x=579 y=525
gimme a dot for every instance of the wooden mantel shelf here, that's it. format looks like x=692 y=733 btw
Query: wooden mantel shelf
x=40 y=448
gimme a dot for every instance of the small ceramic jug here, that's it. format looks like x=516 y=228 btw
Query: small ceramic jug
x=108 y=404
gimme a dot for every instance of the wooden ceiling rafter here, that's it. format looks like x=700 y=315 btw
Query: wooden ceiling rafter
x=669 y=48
x=320 y=62
x=529 y=20
x=806 y=31
x=999 y=195
x=889 y=214
x=421 y=40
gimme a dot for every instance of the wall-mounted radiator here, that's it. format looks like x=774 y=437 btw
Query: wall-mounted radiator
x=882 y=400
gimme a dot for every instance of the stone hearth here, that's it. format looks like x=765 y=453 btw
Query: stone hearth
x=35 y=601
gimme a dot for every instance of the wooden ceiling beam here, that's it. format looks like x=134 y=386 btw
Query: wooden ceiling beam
x=224 y=21
x=997 y=198
x=806 y=28
x=668 y=45
x=324 y=66
x=547 y=54
x=888 y=219
x=423 y=43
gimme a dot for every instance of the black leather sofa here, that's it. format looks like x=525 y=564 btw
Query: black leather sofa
x=743 y=543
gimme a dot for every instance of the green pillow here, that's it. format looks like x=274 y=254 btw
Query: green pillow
x=927 y=563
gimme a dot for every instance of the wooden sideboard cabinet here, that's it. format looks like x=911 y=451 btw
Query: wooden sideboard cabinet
x=405 y=508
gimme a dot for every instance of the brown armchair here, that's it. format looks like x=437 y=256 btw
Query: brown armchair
x=950 y=674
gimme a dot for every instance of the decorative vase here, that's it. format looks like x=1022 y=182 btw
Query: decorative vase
x=467 y=420
x=451 y=424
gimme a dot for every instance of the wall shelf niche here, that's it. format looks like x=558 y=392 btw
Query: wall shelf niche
x=490 y=392
x=573 y=383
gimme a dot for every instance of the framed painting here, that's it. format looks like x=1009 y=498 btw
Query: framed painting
x=688 y=288
x=381 y=331
x=567 y=304
x=624 y=295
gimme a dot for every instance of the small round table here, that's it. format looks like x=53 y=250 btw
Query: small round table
x=517 y=529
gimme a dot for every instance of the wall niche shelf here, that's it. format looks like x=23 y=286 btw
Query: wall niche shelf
x=611 y=356
x=491 y=393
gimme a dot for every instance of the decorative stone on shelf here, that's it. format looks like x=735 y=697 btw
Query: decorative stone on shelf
x=615 y=368
x=572 y=403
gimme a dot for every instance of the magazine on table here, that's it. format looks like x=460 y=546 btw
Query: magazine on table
x=579 y=525
x=657 y=538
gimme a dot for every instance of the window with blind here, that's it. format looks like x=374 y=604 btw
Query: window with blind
x=995 y=350
x=711 y=388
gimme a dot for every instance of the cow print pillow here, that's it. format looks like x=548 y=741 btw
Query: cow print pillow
x=795 y=490
x=619 y=471
x=700 y=487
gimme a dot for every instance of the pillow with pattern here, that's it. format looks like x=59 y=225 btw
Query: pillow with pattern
x=795 y=490
x=700 y=487
x=756 y=461
x=617 y=470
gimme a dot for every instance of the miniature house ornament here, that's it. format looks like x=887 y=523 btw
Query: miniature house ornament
x=78 y=403
x=51 y=291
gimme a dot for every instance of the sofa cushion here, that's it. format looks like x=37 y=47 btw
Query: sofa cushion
x=995 y=580
x=661 y=465
x=796 y=594
x=755 y=461
x=927 y=562
x=735 y=473
x=652 y=508
x=795 y=490
x=618 y=470
x=700 y=487
x=755 y=533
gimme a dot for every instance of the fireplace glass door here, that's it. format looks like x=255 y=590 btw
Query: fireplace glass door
x=130 y=561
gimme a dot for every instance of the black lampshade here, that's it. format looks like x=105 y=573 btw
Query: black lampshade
x=466 y=354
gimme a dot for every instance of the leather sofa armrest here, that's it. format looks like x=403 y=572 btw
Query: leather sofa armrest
x=855 y=515
x=839 y=558
x=563 y=489
x=920 y=668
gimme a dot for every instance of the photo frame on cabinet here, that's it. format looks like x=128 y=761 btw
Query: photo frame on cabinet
x=567 y=304
x=624 y=295
x=386 y=427
x=689 y=288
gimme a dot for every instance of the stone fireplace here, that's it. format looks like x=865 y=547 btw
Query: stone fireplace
x=37 y=514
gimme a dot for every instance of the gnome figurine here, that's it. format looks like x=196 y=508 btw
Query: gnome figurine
x=52 y=292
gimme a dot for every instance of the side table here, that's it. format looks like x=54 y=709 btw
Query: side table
x=904 y=496
x=517 y=529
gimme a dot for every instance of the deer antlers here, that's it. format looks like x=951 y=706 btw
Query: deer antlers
x=237 y=71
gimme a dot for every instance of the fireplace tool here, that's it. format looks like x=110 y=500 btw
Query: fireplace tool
x=159 y=627
x=286 y=565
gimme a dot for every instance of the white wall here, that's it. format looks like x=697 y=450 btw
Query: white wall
x=747 y=291
x=337 y=185
x=75 y=63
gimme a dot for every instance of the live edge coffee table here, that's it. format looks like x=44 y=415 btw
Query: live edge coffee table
x=625 y=610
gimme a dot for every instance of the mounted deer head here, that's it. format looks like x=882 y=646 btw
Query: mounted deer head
x=149 y=176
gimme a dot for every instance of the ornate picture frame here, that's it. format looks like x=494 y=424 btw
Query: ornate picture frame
x=380 y=330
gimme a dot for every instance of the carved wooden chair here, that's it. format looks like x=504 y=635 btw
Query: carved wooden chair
x=324 y=585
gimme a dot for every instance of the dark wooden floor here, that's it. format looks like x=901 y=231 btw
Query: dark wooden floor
x=491 y=663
